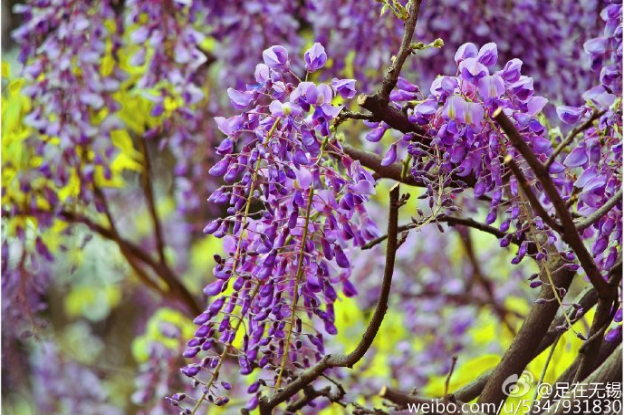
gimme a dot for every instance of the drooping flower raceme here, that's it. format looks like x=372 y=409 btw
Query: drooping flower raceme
x=295 y=206
x=595 y=163
x=464 y=146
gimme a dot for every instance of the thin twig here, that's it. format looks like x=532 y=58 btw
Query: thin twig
x=448 y=377
x=151 y=201
x=452 y=221
x=392 y=76
x=377 y=104
x=543 y=374
x=601 y=212
x=131 y=252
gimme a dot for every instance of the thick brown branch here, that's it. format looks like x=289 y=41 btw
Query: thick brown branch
x=568 y=230
x=604 y=314
x=526 y=344
x=350 y=115
x=609 y=371
x=373 y=162
x=393 y=117
x=586 y=300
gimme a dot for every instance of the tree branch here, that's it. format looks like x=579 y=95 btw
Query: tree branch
x=526 y=344
x=568 y=231
x=132 y=252
x=609 y=371
x=604 y=314
x=602 y=211
x=533 y=200
x=378 y=104
x=452 y=221
x=373 y=162
x=151 y=203
x=587 y=299
x=392 y=76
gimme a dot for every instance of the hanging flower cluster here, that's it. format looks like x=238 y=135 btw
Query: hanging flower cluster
x=463 y=144
x=295 y=207
x=71 y=82
x=595 y=164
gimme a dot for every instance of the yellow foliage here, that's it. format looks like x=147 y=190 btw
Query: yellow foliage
x=153 y=332
x=92 y=302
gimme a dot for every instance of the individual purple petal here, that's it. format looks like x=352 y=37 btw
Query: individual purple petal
x=315 y=57
x=220 y=168
x=511 y=72
x=472 y=70
x=576 y=158
x=488 y=54
x=535 y=105
x=405 y=85
x=214 y=287
x=596 y=46
x=391 y=156
x=240 y=99
x=473 y=113
x=276 y=57
x=614 y=335
x=375 y=135
x=424 y=111
x=523 y=88
x=599 y=246
x=491 y=86
x=285 y=109
x=344 y=87
x=262 y=73
x=300 y=157
x=190 y=370
x=467 y=50
x=599 y=96
x=570 y=115
x=341 y=258
x=454 y=108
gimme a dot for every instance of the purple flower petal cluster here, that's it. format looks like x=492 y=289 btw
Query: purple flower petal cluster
x=295 y=206
x=64 y=48
x=160 y=374
x=466 y=145
x=173 y=69
x=54 y=378
x=595 y=164
x=545 y=35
